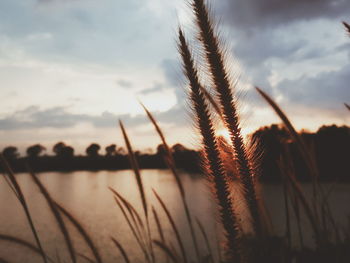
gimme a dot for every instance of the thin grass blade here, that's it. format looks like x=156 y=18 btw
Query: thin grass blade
x=347 y=106
x=82 y=232
x=86 y=258
x=135 y=167
x=171 y=164
x=166 y=250
x=173 y=226
x=12 y=181
x=57 y=216
x=206 y=239
x=21 y=243
x=121 y=250
x=138 y=238
x=137 y=173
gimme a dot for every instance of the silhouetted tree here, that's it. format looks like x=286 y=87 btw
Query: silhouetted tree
x=35 y=150
x=271 y=140
x=160 y=150
x=10 y=153
x=332 y=149
x=57 y=148
x=111 y=150
x=67 y=152
x=63 y=151
x=92 y=150
x=178 y=148
x=121 y=151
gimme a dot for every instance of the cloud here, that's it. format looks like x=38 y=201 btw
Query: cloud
x=273 y=13
x=59 y=117
x=103 y=32
x=156 y=88
x=124 y=83
x=327 y=89
x=292 y=49
x=172 y=71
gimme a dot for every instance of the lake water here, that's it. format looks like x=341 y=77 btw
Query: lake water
x=86 y=196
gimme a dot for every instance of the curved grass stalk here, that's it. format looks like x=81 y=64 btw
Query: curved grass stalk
x=57 y=216
x=347 y=106
x=20 y=242
x=171 y=164
x=134 y=231
x=82 y=232
x=173 y=226
x=12 y=182
x=121 y=249
x=166 y=250
x=137 y=173
x=206 y=239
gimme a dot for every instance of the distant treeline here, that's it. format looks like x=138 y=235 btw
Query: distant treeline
x=330 y=145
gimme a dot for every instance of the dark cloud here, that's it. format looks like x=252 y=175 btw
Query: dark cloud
x=296 y=34
x=327 y=89
x=273 y=13
x=255 y=48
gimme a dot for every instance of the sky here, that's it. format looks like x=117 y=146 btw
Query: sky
x=70 y=69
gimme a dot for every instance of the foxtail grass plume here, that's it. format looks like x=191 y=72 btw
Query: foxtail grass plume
x=212 y=155
x=215 y=60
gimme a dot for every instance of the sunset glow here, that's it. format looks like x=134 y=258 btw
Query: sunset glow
x=72 y=64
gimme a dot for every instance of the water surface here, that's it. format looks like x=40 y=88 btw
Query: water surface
x=86 y=196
